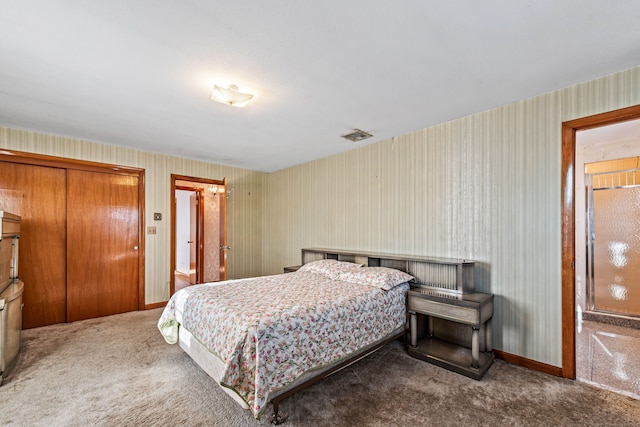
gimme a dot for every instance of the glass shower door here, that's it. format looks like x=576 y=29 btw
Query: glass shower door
x=613 y=247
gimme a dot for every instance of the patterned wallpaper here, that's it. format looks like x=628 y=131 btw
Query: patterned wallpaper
x=484 y=187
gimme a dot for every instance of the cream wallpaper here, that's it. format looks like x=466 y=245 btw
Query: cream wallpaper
x=243 y=206
x=484 y=187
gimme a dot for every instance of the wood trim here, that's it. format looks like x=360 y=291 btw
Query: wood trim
x=200 y=233
x=65 y=163
x=603 y=119
x=182 y=275
x=528 y=363
x=141 y=241
x=223 y=232
x=175 y=177
x=23 y=157
x=155 y=305
x=567 y=193
x=172 y=250
x=569 y=129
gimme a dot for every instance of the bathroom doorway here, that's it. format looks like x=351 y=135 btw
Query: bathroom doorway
x=607 y=256
x=572 y=226
x=189 y=227
x=198 y=231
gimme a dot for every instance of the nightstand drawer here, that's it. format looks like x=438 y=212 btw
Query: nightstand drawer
x=444 y=311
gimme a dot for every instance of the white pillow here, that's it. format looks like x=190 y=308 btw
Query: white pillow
x=329 y=267
x=380 y=277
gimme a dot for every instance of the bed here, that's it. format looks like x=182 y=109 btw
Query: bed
x=264 y=338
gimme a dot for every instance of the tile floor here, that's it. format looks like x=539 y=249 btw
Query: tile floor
x=607 y=356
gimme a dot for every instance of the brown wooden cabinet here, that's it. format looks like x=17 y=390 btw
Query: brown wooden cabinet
x=81 y=234
x=11 y=289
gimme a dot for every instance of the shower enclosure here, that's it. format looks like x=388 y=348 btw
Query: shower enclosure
x=613 y=242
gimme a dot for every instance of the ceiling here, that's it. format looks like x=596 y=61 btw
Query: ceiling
x=139 y=73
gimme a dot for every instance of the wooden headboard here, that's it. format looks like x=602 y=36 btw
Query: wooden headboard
x=442 y=274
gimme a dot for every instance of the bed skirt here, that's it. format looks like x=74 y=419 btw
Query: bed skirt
x=214 y=367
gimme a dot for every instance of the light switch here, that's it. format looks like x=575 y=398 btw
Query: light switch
x=151 y=230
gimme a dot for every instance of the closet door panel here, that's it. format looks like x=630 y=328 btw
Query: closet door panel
x=38 y=195
x=102 y=244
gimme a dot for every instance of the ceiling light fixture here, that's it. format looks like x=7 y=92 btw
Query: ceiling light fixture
x=231 y=96
x=216 y=189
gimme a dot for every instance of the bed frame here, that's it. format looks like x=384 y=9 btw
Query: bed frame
x=439 y=274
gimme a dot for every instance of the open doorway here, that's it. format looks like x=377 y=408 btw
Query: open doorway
x=608 y=256
x=198 y=231
x=588 y=351
x=189 y=204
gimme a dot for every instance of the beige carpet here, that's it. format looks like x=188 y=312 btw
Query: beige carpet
x=118 y=371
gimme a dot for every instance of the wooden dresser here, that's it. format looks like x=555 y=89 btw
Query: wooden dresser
x=11 y=289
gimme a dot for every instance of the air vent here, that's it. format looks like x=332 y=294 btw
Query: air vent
x=357 y=135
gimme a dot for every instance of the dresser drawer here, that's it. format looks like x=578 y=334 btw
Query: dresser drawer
x=6 y=259
x=10 y=225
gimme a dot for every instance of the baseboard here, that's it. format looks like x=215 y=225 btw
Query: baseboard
x=528 y=363
x=181 y=274
x=155 y=305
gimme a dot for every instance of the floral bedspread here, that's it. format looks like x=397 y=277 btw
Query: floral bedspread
x=270 y=330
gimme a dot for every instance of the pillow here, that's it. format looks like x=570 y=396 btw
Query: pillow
x=381 y=277
x=329 y=267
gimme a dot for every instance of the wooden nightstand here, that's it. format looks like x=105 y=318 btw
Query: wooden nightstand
x=473 y=309
x=292 y=268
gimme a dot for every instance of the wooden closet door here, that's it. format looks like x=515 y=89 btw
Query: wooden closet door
x=102 y=244
x=38 y=195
